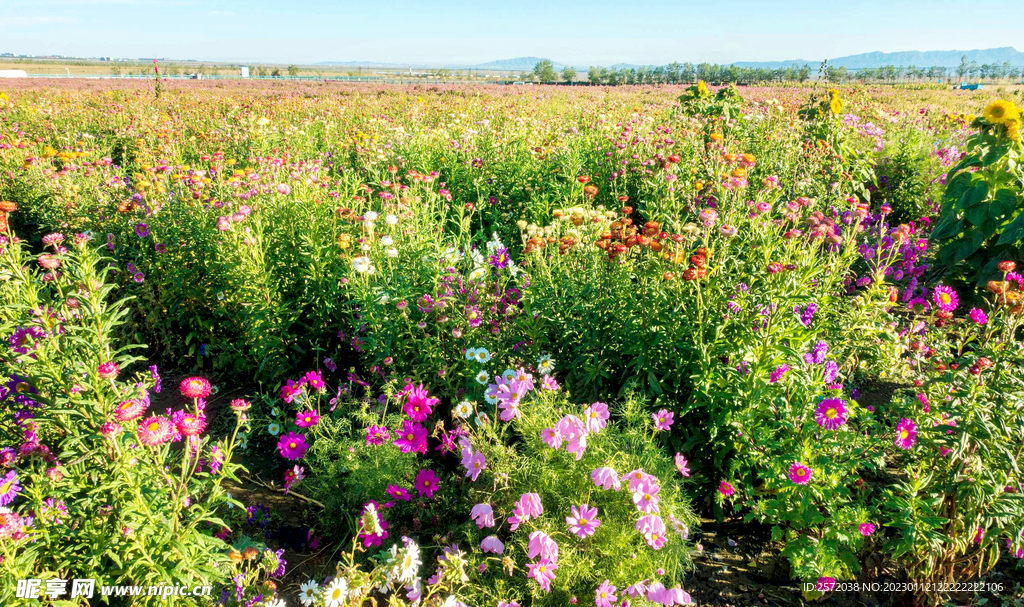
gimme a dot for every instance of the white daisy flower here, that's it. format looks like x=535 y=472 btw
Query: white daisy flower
x=482 y=355
x=336 y=593
x=363 y=265
x=387 y=241
x=274 y=429
x=392 y=252
x=478 y=273
x=464 y=409
x=307 y=592
x=471 y=353
x=509 y=375
x=410 y=565
x=482 y=378
x=545 y=365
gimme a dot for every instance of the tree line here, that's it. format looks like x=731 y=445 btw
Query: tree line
x=680 y=73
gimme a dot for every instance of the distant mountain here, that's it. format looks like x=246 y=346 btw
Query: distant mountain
x=775 y=65
x=930 y=58
x=519 y=64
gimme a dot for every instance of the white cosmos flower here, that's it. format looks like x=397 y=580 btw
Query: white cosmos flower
x=307 y=592
x=336 y=593
x=478 y=273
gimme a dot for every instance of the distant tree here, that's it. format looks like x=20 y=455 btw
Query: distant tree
x=568 y=73
x=544 y=71
x=293 y=70
x=442 y=74
x=594 y=75
x=840 y=74
x=803 y=73
x=963 y=68
x=276 y=73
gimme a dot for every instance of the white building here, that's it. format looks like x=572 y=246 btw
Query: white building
x=244 y=71
x=13 y=74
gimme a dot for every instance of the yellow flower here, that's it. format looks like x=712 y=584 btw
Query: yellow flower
x=835 y=104
x=1000 y=111
x=1013 y=129
x=702 y=88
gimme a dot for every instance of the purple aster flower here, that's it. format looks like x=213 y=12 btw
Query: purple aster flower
x=831 y=413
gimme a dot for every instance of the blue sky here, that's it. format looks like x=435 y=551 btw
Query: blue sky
x=460 y=32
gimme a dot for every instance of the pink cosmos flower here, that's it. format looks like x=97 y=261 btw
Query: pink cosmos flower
x=376 y=435
x=799 y=473
x=400 y=493
x=482 y=515
x=595 y=417
x=474 y=464
x=605 y=595
x=307 y=419
x=551 y=437
x=542 y=546
x=492 y=545
x=543 y=572
x=426 y=483
x=583 y=521
x=606 y=478
x=682 y=465
x=549 y=383
x=529 y=504
x=636 y=477
x=509 y=409
x=412 y=437
x=292 y=446
x=645 y=497
x=906 y=433
x=637 y=589
x=726 y=489
x=662 y=419
x=419 y=404
x=577 y=445
x=867 y=529
x=653 y=530
x=831 y=413
x=290 y=390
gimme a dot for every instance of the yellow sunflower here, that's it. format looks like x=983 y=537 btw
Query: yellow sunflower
x=1013 y=129
x=1000 y=111
x=702 y=88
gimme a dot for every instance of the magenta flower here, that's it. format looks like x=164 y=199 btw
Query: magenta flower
x=549 y=383
x=867 y=529
x=605 y=595
x=482 y=515
x=595 y=417
x=542 y=546
x=662 y=419
x=800 y=474
x=637 y=589
x=825 y=584
x=290 y=390
x=778 y=373
x=292 y=446
x=551 y=437
x=682 y=465
x=307 y=419
x=653 y=530
x=645 y=497
x=725 y=489
x=155 y=430
x=945 y=298
x=426 y=483
x=529 y=504
x=412 y=437
x=9 y=487
x=474 y=463
x=543 y=572
x=108 y=370
x=978 y=316
x=583 y=521
x=491 y=544
x=399 y=493
x=606 y=478
x=376 y=435
x=419 y=404
x=906 y=433
x=831 y=413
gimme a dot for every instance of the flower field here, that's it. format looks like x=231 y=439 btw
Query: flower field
x=336 y=345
